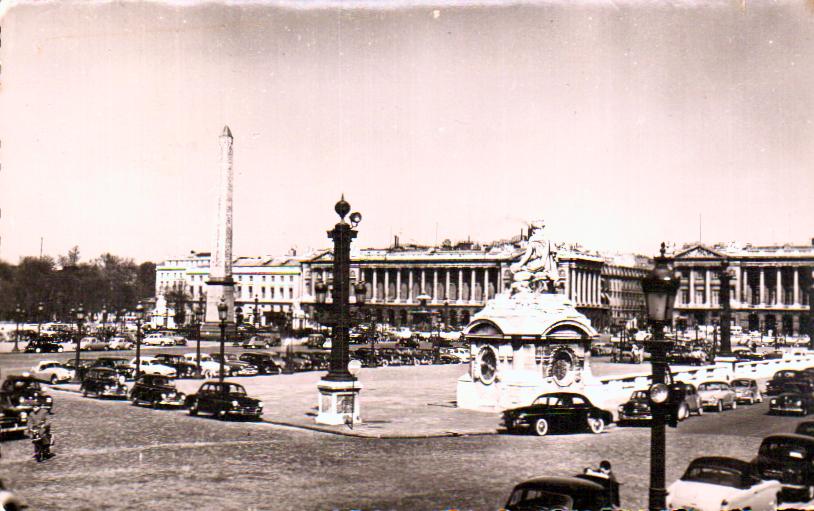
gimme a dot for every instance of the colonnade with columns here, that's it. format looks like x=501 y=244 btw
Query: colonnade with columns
x=584 y=286
x=759 y=286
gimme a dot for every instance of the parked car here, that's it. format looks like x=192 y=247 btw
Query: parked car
x=224 y=400
x=84 y=365
x=687 y=356
x=209 y=368
x=805 y=428
x=151 y=365
x=563 y=411
x=256 y=342
x=93 y=344
x=103 y=382
x=52 y=372
x=796 y=397
x=747 y=391
x=582 y=493
x=627 y=352
x=179 y=340
x=157 y=391
x=183 y=367
x=788 y=458
x=120 y=343
x=43 y=345
x=718 y=395
x=716 y=483
x=780 y=378
x=123 y=367
x=158 y=339
x=25 y=390
x=264 y=362
x=687 y=402
x=234 y=366
x=13 y=416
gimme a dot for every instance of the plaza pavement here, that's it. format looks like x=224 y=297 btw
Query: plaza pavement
x=397 y=402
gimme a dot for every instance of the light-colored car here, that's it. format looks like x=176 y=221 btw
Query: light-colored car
x=92 y=344
x=158 y=339
x=462 y=354
x=719 y=484
x=718 y=395
x=119 y=343
x=747 y=390
x=150 y=365
x=52 y=372
x=209 y=368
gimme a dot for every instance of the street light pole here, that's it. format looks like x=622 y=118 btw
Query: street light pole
x=18 y=313
x=223 y=313
x=139 y=320
x=660 y=288
x=40 y=309
x=726 y=310
x=80 y=317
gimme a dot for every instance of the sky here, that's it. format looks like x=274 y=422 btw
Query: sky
x=621 y=123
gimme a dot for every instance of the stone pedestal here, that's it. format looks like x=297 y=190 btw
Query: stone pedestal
x=339 y=402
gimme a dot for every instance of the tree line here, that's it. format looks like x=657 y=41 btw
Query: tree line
x=62 y=284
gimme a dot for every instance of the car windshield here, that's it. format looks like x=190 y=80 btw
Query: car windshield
x=541 y=499
x=639 y=394
x=741 y=383
x=711 y=386
x=235 y=389
x=785 y=374
x=721 y=476
x=161 y=381
x=783 y=450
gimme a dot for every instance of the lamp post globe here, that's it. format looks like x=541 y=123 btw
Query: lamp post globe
x=18 y=314
x=659 y=287
x=139 y=320
x=79 y=317
x=223 y=314
x=40 y=310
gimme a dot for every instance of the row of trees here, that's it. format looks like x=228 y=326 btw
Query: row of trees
x=63 y=283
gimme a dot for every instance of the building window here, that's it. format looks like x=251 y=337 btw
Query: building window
x=685 y=296
x=272 y=293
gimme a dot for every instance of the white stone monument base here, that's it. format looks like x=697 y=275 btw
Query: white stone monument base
x=339 y=402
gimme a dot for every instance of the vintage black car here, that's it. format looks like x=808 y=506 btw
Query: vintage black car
x=789 y=458
x=637 y=408
x=84 y=365
x=183 y=367
x=26 y=391
x=558 y=411
x=264 y=362
x=13 y=416
x=224 y=400
x=122 y=366
x=234 y=366
x=43 y=345
x=156 y=391
x=686 y=402
x=583 y=493
x=103 y=382
x=796 y=398
x=780 y=378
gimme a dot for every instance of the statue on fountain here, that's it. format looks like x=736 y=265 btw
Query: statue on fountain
x=537 y=270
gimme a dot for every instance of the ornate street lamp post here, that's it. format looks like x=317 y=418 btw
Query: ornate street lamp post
x=238 y=321
x=139 y=321
x=79 y=315
x=198 y=313
x=40 y=309
x=223 y=314
x=338 y=389
x=256 y=312
x=104 y=323
x=18 y=315
x=660 y=288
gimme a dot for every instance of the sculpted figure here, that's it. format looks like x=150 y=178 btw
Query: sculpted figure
x=537 y=269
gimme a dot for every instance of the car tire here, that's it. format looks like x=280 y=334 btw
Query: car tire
x=719 y=407
x=541 y=427
x=734 y=405
x=60 y=349
x=193 y=408
x=38 y=350
x=700 y=411
x=683 y=412
x=596 y=425
x=760 y=398
x=54 y=379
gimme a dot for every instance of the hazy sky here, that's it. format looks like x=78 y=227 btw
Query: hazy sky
x=617 y=122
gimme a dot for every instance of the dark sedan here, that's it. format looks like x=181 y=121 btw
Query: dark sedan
x=780 y=378
x=157 y=391
x=43 y=345
x=13 y=416
x=103 y=382
x=224 y=400
x=797 y=398
x=560 y=411
x=27 y=391
x=183 y=367
x=583 y=493
x=234 y=366
x=264 y=362
x=789 y=458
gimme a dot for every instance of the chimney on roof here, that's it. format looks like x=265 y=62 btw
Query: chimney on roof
x=812 y=242
x=293 y=251
x=395 y=241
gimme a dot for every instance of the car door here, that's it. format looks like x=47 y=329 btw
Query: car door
x=205 y=398
x=580 y=409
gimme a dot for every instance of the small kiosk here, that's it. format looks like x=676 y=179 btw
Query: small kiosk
x=527 y=341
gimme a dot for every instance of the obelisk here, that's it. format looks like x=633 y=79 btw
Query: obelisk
x=220 y=284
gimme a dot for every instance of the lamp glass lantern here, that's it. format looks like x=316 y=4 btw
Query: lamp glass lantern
x=223 y=309
x=360 y=291
x=660 y=288
x=140 y=311
x=80 y=314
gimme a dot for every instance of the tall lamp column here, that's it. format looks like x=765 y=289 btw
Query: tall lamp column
x=726 y=310
x=40 y=309
x=660 y=288
x=223 y=314
x=139 y=321
x=79 y=315
x=18 y=314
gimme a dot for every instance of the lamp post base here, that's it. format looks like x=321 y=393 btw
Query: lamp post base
x=339 y=402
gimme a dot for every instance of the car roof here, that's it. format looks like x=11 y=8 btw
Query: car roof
x=804 y=439
x=714 y=381
x=561 y=483
x=560 y=394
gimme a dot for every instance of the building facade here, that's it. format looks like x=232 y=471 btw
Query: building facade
x=769 y=290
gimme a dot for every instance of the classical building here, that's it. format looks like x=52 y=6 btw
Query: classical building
x=265 y=287
x=770 y=286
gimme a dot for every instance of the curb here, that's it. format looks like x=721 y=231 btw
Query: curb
x=346 y=433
